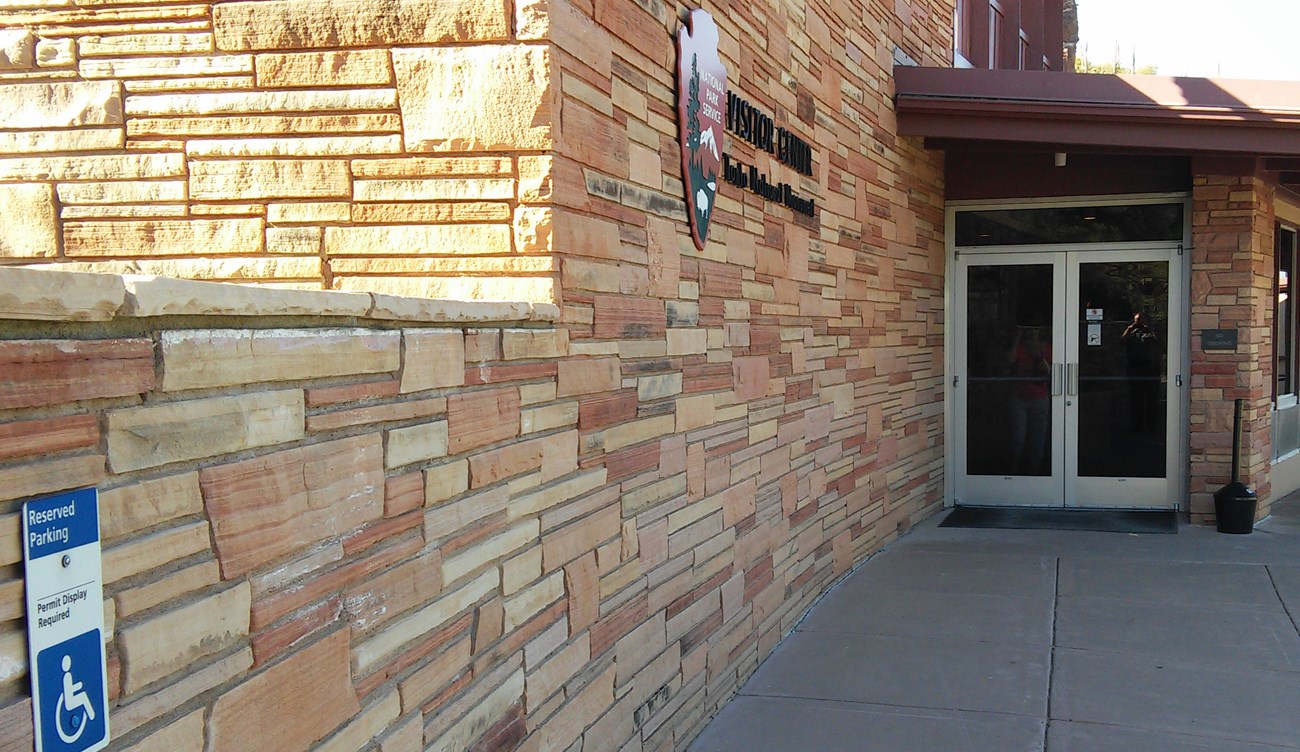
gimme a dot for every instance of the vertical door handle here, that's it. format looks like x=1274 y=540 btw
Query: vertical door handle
x=1071 y=379
x=1058 y=378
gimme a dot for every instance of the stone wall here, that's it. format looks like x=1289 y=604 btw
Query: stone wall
x=1231 y=288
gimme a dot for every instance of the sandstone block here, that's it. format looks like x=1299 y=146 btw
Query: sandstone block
x=539 y=419
x=31 y=227
x=534 y=344
x=445 y=481
x=659 y=386
x=266 y=507
x=482 y=715
x=289 y=706
x=750 y=376
x=588 y=375
x=694 y=411
x=336 y=68
x=268 y=178
x=688 y=341
x=93 y=167
x=127 y=509
x=50 y=372
x=155 y=550
x=59 y=296
x=436 y=189
x=36 y=478
x=171 y=586
x=433 y=359
x=60 y=105
x=166 y=67
x=471 y=559
x=161 y=296
x=184 y=735
x=433 y=167
x=35 y=438
x=416 y=444
x=174 y=432
x=122 y=193
x=372 y=652
x=163 y=237
x=169 y=642
x=56 y=53
x=418 y=239
x=373 y=720
x=625 y=317
x=486 y=98
x=80 y=139
x=294 y=146
x=255 y=102
x=530 y=601
x=480 y=418
x=17 y=49
x=305 y=24
x=199 y=359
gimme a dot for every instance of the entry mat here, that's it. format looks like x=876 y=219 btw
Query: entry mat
x=1164 y=521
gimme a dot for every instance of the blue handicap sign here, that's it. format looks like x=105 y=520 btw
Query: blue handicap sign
x=72 y=701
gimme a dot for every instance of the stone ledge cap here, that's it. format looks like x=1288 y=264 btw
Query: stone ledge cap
x=399 y=308
x=167 y=296
x=35 y=295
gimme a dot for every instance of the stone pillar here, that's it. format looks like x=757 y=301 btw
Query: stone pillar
x=1231 y=288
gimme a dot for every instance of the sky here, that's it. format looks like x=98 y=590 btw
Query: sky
x=1201 y=38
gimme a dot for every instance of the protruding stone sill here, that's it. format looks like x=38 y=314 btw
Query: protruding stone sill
x=42 y=295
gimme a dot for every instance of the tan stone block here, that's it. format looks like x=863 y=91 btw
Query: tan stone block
x=169 y=642
x=155 y=550
x=408 y=737
x=459 y=311
x=94 y=167
x=11 y=539
x=588 y=375
x=56 y=53
x=308 y=212
x=122 y=193
x=266 y=125
x=145 y=43
x=300 y=240
x=305 y=24
x=36 y=478
x=694 y=412
x=204 y=358
x=86 y=139
x=294 y=146
x=540 y=419
x=530 y=601
x=435 y=189
x=481 y=418
x=688 y=341
x=194 y=429
x=60 y=105
x=584 y=707
x=552 y=496
x=432 y=359
x=289 y=706
x=485 y=98
x=335 y=68
x=184 y=735
x=160 y=296
x=166 y=67
x=417 y=239
x=534 y=344
x=431 y=213
x=269 y=506
x=433 y=167
x=268 y=178
x=127 y=509
x=17 y=49
x=416 y=444
x=163 y=237
x=373 y=651
x=59 y=296
x=170 y=587
x=449 y=265
x=841 y=396
x=259 y=102
x=445 y=481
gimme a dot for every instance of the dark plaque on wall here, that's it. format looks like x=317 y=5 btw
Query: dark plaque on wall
x=1218 y=339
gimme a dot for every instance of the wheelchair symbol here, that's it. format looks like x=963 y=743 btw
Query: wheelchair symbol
x=74 y=705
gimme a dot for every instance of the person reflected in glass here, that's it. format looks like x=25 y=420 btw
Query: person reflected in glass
x=1142 y=367
x=1030 y=362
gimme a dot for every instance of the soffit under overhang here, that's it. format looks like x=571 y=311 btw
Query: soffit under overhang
x=977 y=110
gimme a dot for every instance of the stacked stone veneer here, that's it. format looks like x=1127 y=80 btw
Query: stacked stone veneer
x=1231 y=288
x=284 y=142
x=348 y=521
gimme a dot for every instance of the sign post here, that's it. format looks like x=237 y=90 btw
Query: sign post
x=65 y=622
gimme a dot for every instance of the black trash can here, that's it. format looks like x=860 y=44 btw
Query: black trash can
x=1234 y=508
x=1235 y=504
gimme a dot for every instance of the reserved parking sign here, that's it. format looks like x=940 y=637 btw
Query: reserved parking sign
x=65 y=622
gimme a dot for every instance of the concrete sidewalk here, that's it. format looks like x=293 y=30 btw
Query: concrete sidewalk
x=957 y=640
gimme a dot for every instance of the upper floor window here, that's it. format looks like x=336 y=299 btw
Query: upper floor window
x=996 y=22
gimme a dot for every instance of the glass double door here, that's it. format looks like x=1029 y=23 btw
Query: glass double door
x=1065 y=389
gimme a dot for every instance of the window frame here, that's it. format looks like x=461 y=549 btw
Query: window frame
x=1284 y=249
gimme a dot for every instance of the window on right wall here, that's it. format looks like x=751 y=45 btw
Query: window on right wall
x=1284 y=317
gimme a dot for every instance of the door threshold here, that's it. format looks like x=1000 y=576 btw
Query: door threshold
x=1143 y=522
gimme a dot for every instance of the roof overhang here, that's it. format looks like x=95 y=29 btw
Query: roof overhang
x=1045 y=110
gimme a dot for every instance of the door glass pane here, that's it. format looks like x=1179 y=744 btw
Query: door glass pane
x=1123 y=367
x=1008 y=367
x=1070 y=224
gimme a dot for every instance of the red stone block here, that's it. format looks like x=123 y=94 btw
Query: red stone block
x=388 y=529
x=476 y=419
x=16 y=726
x=582 y=582
x=35 y=438
x=606 y=409
x=750 y=376
x=476 y=375
x=269 y=643
x=266 y=507
x=719 y=280
x=626 y=317
x=435 y=642
x=633 y=460
x=505 y=734
x=403 y=493
x=333 y=395
x=616 y=624
x=52 y=372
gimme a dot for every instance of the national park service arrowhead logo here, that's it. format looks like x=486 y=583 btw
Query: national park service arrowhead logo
x=701 y=104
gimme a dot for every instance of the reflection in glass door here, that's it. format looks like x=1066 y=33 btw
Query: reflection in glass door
x=1063 y=389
